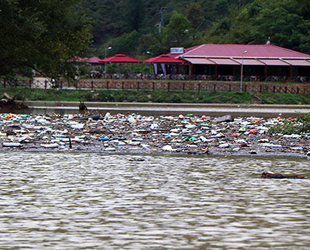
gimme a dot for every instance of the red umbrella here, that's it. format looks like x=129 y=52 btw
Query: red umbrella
x=119 y=58
x=78 y=59
x=93 y=60
x=164 y=59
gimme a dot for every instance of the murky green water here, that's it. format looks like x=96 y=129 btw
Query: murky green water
x=98 y=201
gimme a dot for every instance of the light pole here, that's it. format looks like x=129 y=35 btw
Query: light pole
x=105 y=56
x=244 y=52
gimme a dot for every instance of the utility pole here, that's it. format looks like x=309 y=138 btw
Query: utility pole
x=241 y=75
x=161 y=18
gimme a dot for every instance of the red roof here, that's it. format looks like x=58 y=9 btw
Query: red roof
x=236 y=51
x=119 y=58
x=164 y=59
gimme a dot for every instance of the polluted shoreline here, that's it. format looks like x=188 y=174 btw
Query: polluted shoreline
x=144 y=135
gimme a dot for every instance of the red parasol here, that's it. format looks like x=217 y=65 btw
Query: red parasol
x=164 y=59
x=93 y=60
x=119 y=58
x=78 y=59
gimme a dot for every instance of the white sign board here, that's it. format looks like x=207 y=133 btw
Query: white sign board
x=176 y=50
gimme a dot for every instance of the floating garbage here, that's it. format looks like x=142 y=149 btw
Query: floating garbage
x=131 y=119
x=167 y=148
x=242 y=130
x=187 y=134
x=154 y=126
x=104 y=139
x=110 y=149
x=51 y=145
x=190 y=126
x=12 y=144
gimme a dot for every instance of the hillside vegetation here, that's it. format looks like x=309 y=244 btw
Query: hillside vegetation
x=43 y=37
x=134 y=27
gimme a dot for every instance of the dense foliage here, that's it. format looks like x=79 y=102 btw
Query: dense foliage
x=45 y=35
x=42 y=36
x=293 y=126
x=135 y=26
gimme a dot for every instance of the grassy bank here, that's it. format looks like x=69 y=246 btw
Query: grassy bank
x=155 y=96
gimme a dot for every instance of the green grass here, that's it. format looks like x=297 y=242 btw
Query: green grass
x=155 y=96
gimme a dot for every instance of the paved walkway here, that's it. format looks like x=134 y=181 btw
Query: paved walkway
x=168 y=108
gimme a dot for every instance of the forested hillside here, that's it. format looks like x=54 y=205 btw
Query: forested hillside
x=44 y=36
x=134 y=27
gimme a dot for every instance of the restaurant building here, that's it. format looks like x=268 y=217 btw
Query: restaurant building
x=258 y=62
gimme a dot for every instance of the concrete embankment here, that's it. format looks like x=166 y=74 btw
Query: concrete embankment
x=174 y=108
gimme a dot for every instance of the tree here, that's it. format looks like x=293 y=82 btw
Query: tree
x=106 y=19
x=177 y=32
x=134 y=14
x=126 y=43
x=194 y=13
x=284 y=23
x=41 y=35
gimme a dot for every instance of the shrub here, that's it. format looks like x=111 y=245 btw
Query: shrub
x=297 y=126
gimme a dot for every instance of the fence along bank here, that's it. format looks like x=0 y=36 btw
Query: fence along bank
x=199 y=86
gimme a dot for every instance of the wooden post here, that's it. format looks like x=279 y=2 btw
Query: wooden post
x=192 y=70
x=45 y=84
x=92 y=85
x=30 y=83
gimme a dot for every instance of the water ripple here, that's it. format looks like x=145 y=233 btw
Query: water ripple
x=98 y=201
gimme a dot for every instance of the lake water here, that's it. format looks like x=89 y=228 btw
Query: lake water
x=100 y=201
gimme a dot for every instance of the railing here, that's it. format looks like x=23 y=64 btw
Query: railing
x=252 y=78
x=168 y=85
x=42 y=83
x=199 y=86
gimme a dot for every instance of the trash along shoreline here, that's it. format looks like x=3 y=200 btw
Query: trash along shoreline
x=136 y=134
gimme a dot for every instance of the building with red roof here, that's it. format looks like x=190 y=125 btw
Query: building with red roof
x=259 y=61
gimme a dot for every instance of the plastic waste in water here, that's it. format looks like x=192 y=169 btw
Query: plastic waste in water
x=203 y=139
x=131 y=119
x=154 y=126
x=12 y=144
x=51 y=145
x=167 y=148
